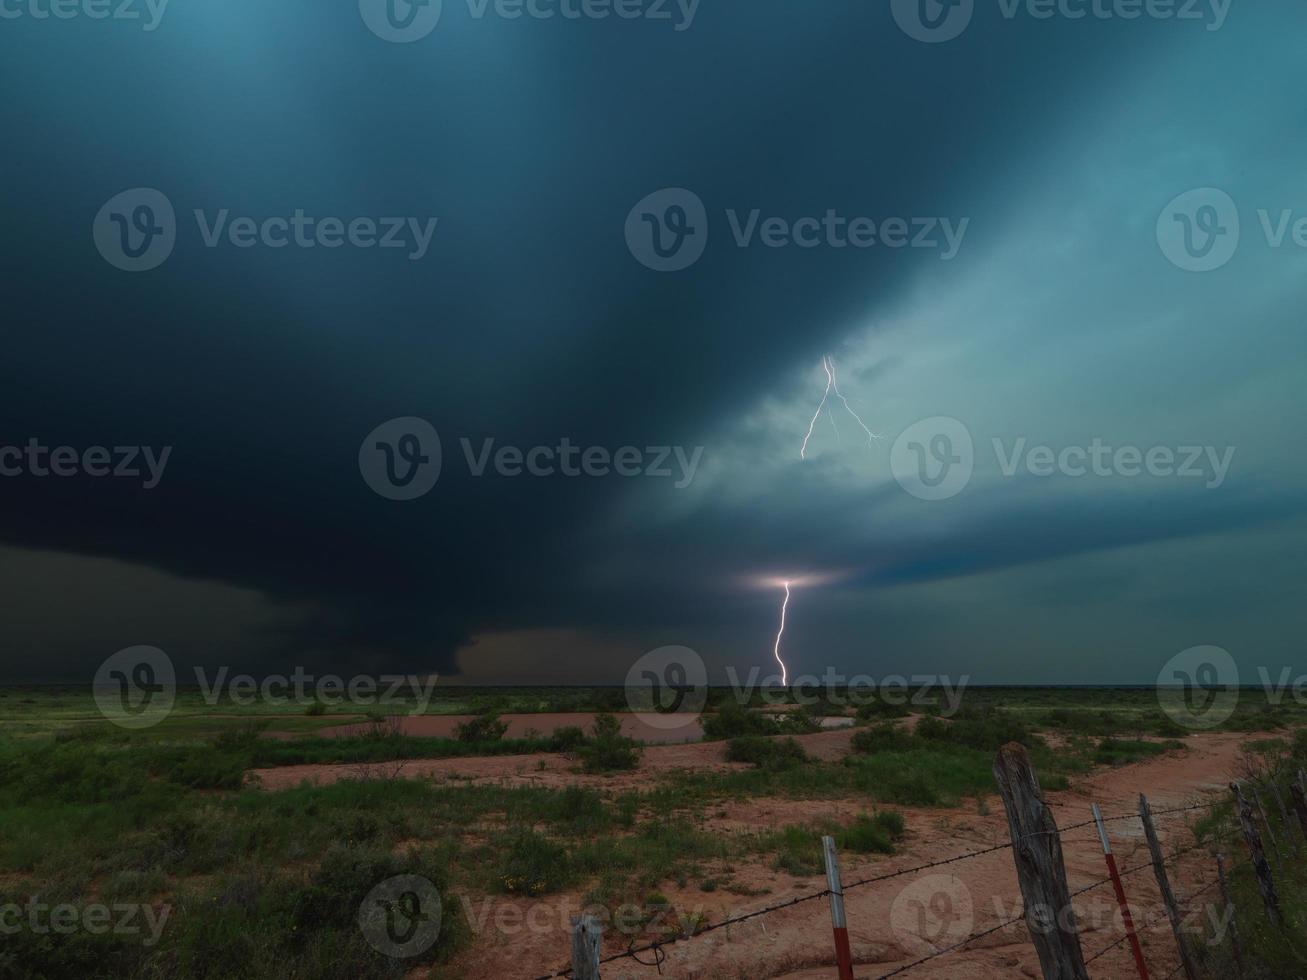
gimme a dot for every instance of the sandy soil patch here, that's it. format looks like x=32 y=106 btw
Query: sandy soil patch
x=527 y=937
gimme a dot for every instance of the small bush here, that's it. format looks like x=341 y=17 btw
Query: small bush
x=483 y=728
x=534 y=865
x=879 y=709
x=798 y=723
x=876 y=834
x=885 y=737
x=569 y=738
x=609 y=750
x=766 y=753
x=733 y=720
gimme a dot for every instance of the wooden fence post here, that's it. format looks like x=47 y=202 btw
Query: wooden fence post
x=843 y=955
x=1299 y=806
x=1127 y=919
x=1037 y=851
x=1187 y=958
x=1279 y=855
x=1230 y=913
x=587 y=934
x=1287 y=827
x=1265 y=883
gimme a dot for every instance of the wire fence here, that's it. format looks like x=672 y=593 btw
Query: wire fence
x=653 y=954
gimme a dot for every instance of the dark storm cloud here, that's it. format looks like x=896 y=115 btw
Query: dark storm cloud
x=527 y=322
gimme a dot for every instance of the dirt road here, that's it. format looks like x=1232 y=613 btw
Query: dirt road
x=527 y=937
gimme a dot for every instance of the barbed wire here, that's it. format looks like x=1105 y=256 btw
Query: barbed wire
x=949 y=949
x=659 y=957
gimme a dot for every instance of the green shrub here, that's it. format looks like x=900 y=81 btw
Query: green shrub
x=875 y=834
x=989 y=730
x=569 y=738
x=732 y=720
x=879 y=709
x=608 y=750
x=535 y=865
x=483 y=728
x=798 y=723
x=768 y=753
x=885 y=737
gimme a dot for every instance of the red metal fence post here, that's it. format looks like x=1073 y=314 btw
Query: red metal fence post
x=1126 y=917
x=843 y=954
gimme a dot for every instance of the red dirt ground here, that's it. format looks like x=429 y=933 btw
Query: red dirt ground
x=795 y=943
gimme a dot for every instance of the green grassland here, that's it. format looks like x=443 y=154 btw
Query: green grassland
x=267 y=884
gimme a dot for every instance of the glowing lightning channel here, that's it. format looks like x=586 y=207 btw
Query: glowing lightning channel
x=830 y=381
x=776 y=650
x=871 y=436
x=828 y=365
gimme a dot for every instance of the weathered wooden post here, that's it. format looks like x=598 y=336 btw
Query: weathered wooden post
x=1126 y=918
x=843 y=954
x=1279 y=855
x=587 y=934
x=1299 y=806
x=1285 y=825
x=1037 y=851
x=1230 y=914
x=1187 y=959
x=1265 y=883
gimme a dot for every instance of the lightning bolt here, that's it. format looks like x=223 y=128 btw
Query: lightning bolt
x=828 y=365
x=776 y=650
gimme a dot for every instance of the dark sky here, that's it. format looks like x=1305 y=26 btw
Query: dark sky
x=1060 y=320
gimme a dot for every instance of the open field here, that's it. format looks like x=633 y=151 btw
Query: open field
x=254 y=832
